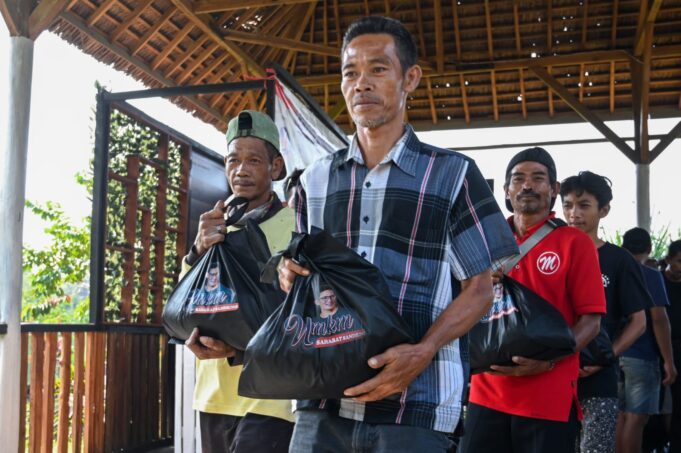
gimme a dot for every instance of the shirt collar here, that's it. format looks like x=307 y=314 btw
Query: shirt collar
x=532 y=229
x=404 y=152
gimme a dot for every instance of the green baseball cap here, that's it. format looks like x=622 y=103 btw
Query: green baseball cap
x=251 y=123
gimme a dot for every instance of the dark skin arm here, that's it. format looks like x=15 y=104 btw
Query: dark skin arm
x=636 y=325
x=208 y=347
x=663 y=337
x=585 y=329
x=401 y=364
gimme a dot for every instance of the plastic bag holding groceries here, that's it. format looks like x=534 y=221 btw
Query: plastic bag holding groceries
x=317 y=343
x=598 y=352
x=520 y=323
x=222 y=294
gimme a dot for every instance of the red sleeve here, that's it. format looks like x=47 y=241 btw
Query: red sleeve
x=584 y=282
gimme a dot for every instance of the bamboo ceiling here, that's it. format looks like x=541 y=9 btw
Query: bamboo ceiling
x=478 y=56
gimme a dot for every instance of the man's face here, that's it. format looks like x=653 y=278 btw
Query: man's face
x=530 y=190
x=373 y=84
x=675 y=266
x=581 y=211
x=327 y=302
x=249 y=170
x=212 y=279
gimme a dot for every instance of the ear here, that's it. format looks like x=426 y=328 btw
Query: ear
x=508 y=197
x=277 y=166
x=412 y=78
x=604 y=211
x=556 y=189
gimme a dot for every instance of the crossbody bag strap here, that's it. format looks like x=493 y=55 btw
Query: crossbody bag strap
x=529 y=244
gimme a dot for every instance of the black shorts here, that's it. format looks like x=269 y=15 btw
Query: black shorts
x=252 y=433
x=487 y=430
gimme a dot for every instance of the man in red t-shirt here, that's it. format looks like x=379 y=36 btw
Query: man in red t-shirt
x=532 y=406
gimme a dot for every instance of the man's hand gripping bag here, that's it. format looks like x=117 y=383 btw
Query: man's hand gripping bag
x=222 y=294
x=520 y=323
x=317 y=343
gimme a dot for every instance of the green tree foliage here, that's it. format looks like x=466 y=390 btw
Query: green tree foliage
x=56 y=277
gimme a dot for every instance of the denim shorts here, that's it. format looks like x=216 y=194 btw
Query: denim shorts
x=639 y=386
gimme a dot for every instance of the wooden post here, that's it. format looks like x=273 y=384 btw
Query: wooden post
x=12 y=197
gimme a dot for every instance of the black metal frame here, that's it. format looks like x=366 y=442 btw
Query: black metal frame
x=106 y=100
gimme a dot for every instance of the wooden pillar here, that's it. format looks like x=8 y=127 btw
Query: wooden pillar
x=643 y=196
x=12 y=197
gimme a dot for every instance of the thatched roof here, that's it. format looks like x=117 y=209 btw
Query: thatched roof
x=477 y=55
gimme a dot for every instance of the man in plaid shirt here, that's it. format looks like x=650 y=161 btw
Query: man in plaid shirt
x=424 y=216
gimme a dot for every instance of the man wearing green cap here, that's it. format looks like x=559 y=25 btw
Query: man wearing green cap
x=228 y=422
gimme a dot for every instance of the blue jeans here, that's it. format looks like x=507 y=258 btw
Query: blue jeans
x=320 y=431
x=639 y=386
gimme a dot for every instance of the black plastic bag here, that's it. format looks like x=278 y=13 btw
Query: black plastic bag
x=318 y=341
x=222 y=294
x=598 y=352
x=520 y=323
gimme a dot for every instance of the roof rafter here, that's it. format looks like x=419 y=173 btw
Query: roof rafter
x=213 y=6
x=583 y=110
x=123 y=54
x=238 y=53
x=439 y=39
x=279 y=42
x=650 y=17
x=43 y=15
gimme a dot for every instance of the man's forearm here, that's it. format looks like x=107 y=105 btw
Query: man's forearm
x=663 y=332
x=634 y=329
x=463 y=313
x=585 y=329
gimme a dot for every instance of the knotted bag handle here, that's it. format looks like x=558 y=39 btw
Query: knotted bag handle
x=269 y=273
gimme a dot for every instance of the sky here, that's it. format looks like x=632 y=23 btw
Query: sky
x=61 y=132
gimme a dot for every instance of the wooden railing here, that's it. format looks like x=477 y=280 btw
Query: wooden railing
x=88 y=389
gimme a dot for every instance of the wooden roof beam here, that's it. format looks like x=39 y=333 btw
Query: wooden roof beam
x=186 y=54
x=488 y=26
x=439 y=38
x=213 y=6
x=516 y=27
x=279 y=42
x=134 y=15
x=585 y=22
x=612 y=87
x=252 y=66
x=666 y=141
x=309 y=54
x=419 y=25
x=598 y=56
x=172 y=45
x=153 y=30
x=464 y=99
x=43 y=15
x=523 y=101
x=457 y=32
x=99 y=12
x=16 y=14
x=550 y=96
x=198 y=61
x=431 y=100
x=583 y=111
x=581 y=82
x=495 y=101
x=336 y=16
x=308 y=19
x=650 y=17
x=123 y=54
x=549 y=25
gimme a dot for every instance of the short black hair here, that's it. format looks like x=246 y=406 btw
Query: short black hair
x=598 y=186
x=674 y=248
x=373 y=25
x=637 y=240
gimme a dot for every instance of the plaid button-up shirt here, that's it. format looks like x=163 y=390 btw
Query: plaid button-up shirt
x=426 y=217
